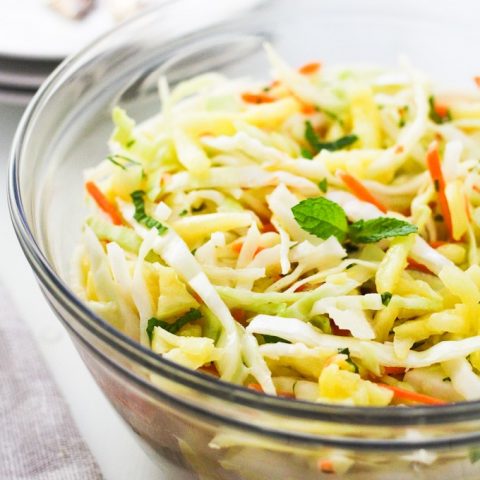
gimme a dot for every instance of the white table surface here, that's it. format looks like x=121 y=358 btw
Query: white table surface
x=110 y=440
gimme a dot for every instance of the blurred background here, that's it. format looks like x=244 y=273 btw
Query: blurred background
x=36 y=35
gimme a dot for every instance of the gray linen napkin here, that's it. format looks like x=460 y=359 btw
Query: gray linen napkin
x=38 y=438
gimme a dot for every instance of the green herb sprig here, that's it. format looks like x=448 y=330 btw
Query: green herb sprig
x=192 y=315
x=140 y=215
x=317 y=145
x=323 y=218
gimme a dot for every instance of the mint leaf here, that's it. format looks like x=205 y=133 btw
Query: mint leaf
x=192 y=315
x=371 y=231
x=312 y=138
x=386 y=297
x=321 y=217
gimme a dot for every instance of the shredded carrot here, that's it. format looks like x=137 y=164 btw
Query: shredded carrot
x=435 y=169
x=239 y=315
x=399 y=149
x=477 y=81
x=360 y=191
x=402 y=394
x=268 y=227
x=237 y=246
x=440 y=109
x=393 y=370
x=210 y=369
x=256 y=98
x=301 y=288
x=308 y=109
x=103 y=203
x=326 y=466
x=338 y=331
x=258 y=388
x=437 y=243
x=309 y=68
x=414 y=265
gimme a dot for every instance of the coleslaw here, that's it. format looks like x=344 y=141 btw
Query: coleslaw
x=314 y=237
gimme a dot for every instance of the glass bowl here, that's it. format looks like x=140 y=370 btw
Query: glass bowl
x=198 y=426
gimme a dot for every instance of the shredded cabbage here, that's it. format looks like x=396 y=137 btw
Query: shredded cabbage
x=190 y=217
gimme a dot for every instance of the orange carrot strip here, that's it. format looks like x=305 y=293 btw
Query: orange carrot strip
x=435 y=169
x=239 y=315
x=309 y=68
x=477 y=81
x=393 y=370
x=268 y=227
x=256 y=98
x=402 y=394
x=103 y=203
x=326 y=466
x=210 y=369
x=437 y=243
x=440 y=109
x=308 y=109
x=360 y=191
x=258 y=388
x=414 y=265
x=236 y=247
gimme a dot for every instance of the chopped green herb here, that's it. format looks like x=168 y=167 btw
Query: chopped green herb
x=317 y=145
x=333 y=116
x=321 y=217
x=140 y=215
x=323 y=185
x=401 y=123
x=386 y=297
x=306 y=153
x=110 y=158
x=438 y=217
x=128 y=162
x=348 y=267
x=446 y=379
x=183 y=213
x=474 y=455
x=372 y=231
x=435 y=116
x=274 y=339
x=436 y=185
x=192 y=315
x=130 y=143
x=346 y=351
x=199 y=208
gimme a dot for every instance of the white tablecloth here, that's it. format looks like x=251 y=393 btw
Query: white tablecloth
x=112 y=444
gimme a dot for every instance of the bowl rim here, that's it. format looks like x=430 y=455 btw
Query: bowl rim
x=134 y=351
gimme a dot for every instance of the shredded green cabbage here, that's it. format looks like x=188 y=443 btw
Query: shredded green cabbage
x=288 y=304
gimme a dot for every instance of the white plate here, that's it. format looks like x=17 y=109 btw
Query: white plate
x=30 y=29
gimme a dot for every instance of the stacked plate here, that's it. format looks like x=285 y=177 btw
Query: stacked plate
x=21 y=77
x=34 y=39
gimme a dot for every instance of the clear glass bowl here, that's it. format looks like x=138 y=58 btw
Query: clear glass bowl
x=197 y=426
